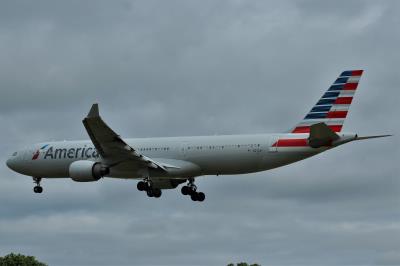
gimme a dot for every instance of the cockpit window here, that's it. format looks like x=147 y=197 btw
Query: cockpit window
x=15 y=154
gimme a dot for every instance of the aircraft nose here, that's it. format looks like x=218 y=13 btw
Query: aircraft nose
x=11 y=163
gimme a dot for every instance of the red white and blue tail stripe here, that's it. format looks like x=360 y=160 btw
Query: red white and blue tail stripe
x=333 y=106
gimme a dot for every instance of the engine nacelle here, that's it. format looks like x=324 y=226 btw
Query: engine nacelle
x=87 y=171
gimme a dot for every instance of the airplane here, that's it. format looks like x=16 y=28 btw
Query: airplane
x=165 y=163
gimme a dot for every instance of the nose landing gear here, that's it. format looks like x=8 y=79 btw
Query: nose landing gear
x=37 y=188
x=191 y=190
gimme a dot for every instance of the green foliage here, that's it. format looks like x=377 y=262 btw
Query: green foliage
x=243 y=264
x=19 y=260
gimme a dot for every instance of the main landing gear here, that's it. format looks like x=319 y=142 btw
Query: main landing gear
x=147 y=186
x=191 y=190
x=37 y=188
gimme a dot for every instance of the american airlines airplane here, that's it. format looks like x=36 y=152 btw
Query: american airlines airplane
x=164 y=163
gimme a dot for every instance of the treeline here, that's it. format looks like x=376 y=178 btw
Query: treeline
x=20 y=260
x=243 y=264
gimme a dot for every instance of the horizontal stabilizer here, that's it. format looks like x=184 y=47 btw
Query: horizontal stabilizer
x=321 y=135
x=373 y=137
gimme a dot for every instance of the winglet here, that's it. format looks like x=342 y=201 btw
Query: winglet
x=94 y=111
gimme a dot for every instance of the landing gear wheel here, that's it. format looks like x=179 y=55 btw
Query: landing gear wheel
x=194 y=197
x=150 y=193
x=38 y=189
x=157 y=192
x=141 y=186
x=192 y=191
x=201 y=196
x=185 y=190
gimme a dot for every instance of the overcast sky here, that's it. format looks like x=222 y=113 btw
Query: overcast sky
x=171 y=68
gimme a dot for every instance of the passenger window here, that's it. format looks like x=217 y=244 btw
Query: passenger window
x=15 y=154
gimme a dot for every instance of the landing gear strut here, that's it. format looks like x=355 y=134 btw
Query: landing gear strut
x=37 y=188
x=147 y=186
x=191 y=190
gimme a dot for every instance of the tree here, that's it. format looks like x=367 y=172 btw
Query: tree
x=19 y=260
x=243 y=264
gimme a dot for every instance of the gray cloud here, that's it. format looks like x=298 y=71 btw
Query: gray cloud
x=168 y=68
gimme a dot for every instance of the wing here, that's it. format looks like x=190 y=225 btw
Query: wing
x=109 y=144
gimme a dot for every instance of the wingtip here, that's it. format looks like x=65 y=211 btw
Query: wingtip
x=94 y=110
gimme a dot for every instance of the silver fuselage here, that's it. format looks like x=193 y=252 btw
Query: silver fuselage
x=192 y=156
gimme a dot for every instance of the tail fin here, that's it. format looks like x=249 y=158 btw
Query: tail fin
x=333 y=106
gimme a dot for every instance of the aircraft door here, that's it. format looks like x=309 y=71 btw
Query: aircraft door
x=183 y=149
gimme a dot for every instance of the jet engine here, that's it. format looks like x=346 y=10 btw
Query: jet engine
x=87 y=171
